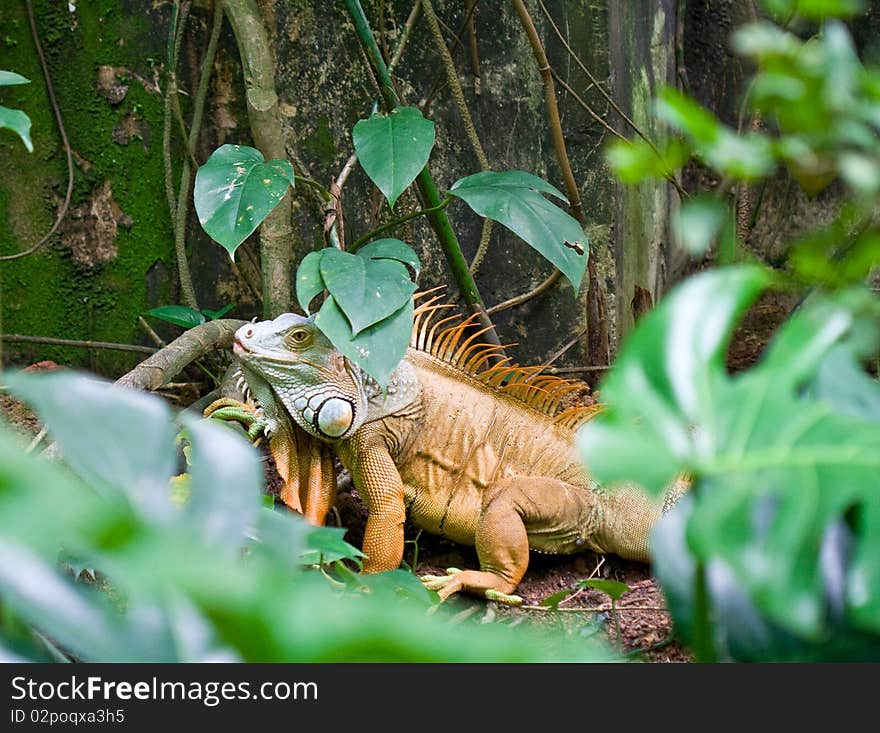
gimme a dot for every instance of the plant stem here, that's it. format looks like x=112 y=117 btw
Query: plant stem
x=617 y=626
x=276 y=231
x=325 y=194
x=14 y=338
x=425 y=182
x=704 y=647
x=397 y=222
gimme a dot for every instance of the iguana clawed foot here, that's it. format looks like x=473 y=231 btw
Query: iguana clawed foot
x=473 y=581
x=232 y=410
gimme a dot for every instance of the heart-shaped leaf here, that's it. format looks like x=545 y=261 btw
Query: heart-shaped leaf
x=19 y=123
x=367 y=290
x=392 y=249
x=377 y=349
x=513 y=198
x=179 y=315
x=9 y=78
x=235 y=191
x=393 y=149
x=309 y=283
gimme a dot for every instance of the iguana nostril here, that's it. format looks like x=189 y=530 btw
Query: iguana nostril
x=335 y=417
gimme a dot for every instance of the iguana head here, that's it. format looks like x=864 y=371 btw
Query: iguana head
x=322 y=392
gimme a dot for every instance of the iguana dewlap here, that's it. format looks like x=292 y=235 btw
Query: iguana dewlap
x=483 y=455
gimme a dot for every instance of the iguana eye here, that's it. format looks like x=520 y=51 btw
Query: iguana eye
x=298 y=338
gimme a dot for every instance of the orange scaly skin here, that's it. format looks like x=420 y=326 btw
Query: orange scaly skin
x=482 y=468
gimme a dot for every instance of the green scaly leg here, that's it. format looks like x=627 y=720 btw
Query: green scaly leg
x=232 y=410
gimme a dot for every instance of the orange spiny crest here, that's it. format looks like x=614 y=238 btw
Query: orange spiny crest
x=425 y=293
x=462 y=354
x=574 y=417
x=447 y=339
x=422 y=321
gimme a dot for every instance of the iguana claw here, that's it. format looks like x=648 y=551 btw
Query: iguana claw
x=451 y=583
x=436 y=582
x=498 y=596
x=232 y=410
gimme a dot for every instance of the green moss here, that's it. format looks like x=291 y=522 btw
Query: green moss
x=49 y=294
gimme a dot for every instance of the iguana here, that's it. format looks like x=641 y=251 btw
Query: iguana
x=474 y=449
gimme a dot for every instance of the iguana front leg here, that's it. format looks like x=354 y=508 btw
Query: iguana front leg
x=379 y=485
x=304 y=464
x=254 y=421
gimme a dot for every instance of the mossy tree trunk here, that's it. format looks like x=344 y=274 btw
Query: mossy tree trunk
x=641 y=41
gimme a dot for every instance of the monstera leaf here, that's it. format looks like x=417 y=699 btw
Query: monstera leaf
x=780 y=461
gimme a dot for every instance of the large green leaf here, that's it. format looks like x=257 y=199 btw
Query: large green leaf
x=377 y=349
x=393 y=149
x=235 y=191
x=392 y=249
x=9 y=78
x=778 y=465
x=513 y=198
x=179 y=315
x=19 y=123
x=110 y=436
x=367 y=290
x=368 y=315
x=227 y=480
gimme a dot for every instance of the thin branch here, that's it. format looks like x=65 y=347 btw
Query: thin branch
x=561 y=351
x=15 y=338
x=62 y=212
x=595 y=81
x=156 y=338
x=455 y=85
x=598 y=346
x=475 y=50
x=578 y=370
x=543 y=287
x=467 y=121
x=595 y=115
x=404 y=37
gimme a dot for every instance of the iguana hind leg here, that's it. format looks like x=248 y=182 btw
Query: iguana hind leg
x=518 y=514
x=502 y=544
